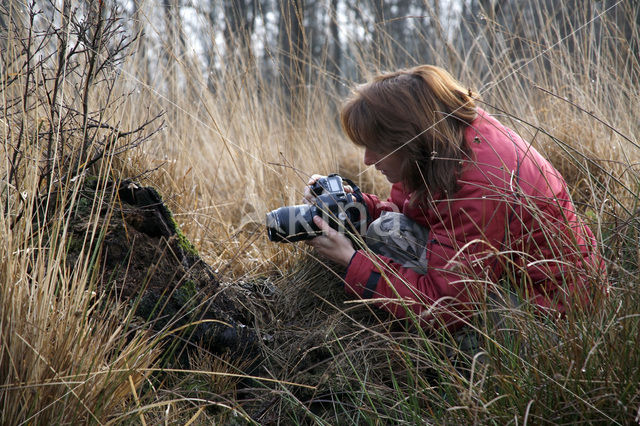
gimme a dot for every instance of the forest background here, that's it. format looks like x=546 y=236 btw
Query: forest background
x=226 y=108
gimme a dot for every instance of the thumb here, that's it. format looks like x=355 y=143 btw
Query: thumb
x=322 y=224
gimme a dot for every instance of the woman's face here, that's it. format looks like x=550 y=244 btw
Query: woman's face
x=390 y=165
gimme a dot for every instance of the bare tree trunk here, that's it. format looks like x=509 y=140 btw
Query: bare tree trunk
x=138 y=30
x=378 y=31
x=634 y=34
x=239 y=25
x=3 y=25
x=292 y=56
x=628 y=18
x=334 y=63
x=171 y=13
x=61 y=66
x=398 y=32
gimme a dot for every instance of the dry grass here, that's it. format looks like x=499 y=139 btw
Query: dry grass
x=64 y=354
x=229 y=153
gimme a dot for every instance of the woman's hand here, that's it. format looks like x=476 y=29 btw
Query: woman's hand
x=309 y=198
x=332 y=244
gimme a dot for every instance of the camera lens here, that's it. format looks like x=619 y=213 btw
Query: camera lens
x=273 y=226
x=291 y=223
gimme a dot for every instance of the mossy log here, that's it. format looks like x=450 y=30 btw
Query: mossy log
x=145 y=261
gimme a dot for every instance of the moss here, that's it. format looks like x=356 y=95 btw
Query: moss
x=83 y=206
x=183 y=241
x=74 y=243
x=186 y=292
x=85 y=200
x=91 y=182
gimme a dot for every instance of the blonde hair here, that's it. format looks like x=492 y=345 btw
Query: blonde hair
x=421 y=113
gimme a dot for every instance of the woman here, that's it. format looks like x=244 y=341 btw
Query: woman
x=471 y=205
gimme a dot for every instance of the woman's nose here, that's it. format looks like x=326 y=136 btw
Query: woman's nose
x=370 y=157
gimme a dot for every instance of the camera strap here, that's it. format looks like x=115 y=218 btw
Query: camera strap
x=356 y=191
x=358 y=195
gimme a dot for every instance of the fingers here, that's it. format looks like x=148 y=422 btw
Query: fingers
x=323 y=225
x=332 y=244
x=314 y=178
x=328 y=234
x=308 y=197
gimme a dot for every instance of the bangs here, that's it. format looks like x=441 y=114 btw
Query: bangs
x=361 y=124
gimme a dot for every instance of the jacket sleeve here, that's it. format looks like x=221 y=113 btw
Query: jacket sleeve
x=456 y=267
x=405 y=293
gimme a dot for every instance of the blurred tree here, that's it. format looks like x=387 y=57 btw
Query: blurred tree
x=170 y=8
x=334 y=64
x=240 y=18
x=401 y=24
x=378 y=31
x=627 y=17
x=137 y=28
x=3 y=24
x=293 y=55
x=293 y=42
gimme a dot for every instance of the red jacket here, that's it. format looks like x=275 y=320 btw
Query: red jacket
x=511 y=215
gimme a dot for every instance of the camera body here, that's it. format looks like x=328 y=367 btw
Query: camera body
x=341 y=210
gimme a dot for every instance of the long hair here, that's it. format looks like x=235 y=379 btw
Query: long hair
x=420 y=113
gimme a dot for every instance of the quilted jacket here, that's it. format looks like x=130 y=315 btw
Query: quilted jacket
x=512 y=216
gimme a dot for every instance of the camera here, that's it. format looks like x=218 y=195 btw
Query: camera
x=344 y=212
